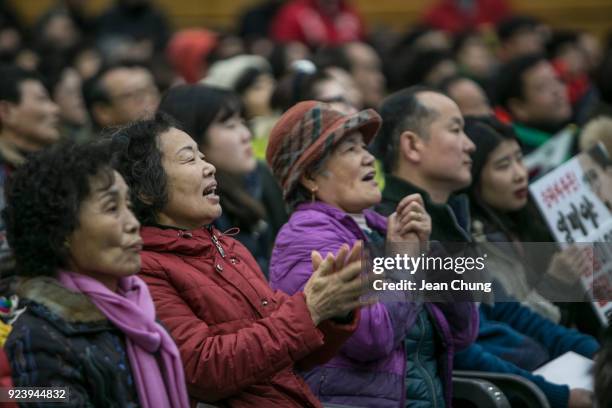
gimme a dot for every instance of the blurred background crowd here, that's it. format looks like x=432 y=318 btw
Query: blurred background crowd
x=74 y=70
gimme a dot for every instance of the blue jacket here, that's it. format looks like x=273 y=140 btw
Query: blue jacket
x=513 y=339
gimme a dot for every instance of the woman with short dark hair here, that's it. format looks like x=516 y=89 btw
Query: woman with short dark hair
x=249 y=195
x=89 y=323
x=239 y=340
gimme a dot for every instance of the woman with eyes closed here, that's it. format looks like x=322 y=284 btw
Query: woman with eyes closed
x=248 y=193
x=89 y=323
x=240 y=341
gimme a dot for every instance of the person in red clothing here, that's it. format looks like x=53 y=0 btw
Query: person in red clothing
x=317 y=23
x=5 y=378
x=241 y=342
x=456 y=16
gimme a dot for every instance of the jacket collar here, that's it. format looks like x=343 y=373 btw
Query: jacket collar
x=11 y=154
x=72 y=307
x=196 y=242
x=373 y=219
x=450 y=221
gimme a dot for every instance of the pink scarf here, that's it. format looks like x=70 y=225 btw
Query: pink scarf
x=131 y=310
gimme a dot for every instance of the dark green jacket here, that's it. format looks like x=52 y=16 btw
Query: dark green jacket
x=450 y=222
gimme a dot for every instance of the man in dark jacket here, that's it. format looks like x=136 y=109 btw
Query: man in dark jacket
x=530 y=91
x=424 y=149
x=28 y=122
x=120 y=94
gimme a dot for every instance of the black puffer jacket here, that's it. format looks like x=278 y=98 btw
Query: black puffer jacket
x=63 y=340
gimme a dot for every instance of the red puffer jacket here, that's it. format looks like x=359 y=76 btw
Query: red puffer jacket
x=239 y=340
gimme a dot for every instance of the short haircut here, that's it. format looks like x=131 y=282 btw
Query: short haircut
x=248 y=79
x=510 y=80
x=415 y=66
x=400 y=112
x=510 y=26
x=335 y=56
x=94 y=91
x=44 y=197
x=559 y=41
x=461 y=39
x=296 y=87
x=196 y=107
x=408 y=41
x=11 y=77
x=137 y=157
x=449 y=82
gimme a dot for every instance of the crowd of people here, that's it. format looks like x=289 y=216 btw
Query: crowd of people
x=185 y=212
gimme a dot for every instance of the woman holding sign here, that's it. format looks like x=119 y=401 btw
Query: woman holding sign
x=516 y=338
x=501 y=214
x=320 y=158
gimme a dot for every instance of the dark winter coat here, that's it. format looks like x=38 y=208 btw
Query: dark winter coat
x=63 y=340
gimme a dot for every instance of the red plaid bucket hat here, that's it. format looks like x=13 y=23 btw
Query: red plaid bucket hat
x=308 y=130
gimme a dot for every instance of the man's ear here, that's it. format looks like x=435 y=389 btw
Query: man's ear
x=410 y=146
x=517 y=109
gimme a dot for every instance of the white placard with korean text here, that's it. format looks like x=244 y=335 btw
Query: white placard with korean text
x=575 y=199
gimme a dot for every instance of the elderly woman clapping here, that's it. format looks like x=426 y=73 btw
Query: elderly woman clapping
x=89 y=323
x=320 y=157
x=239 y=340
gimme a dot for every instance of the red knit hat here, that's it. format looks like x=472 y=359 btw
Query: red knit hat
x=306 y=131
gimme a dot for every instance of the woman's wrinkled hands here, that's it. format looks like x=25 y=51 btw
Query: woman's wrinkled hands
x=336 y=286
x=410 y=223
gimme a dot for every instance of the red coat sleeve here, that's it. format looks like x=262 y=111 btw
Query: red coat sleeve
x=218 y=366
x=334 y=335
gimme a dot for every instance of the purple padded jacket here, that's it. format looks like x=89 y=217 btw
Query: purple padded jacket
x=370 y=369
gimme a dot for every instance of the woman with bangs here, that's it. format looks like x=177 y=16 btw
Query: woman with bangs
x=250 y=197
x=89 y=324
x=240 y=341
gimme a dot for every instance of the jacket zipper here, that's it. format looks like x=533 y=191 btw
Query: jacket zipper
x=426 y=376
x=217 y=243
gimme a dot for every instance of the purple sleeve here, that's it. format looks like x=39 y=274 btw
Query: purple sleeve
x=463 y=321
x=381 y=328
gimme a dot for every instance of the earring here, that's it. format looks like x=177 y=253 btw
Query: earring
x=313 y=198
